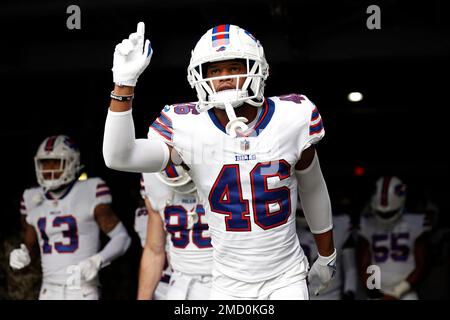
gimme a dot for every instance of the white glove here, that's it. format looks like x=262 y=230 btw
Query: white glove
x=192 y=218
x=19 y=258
x=89 y=268
x=324 y=268
x=130 y=58
x=399 y=290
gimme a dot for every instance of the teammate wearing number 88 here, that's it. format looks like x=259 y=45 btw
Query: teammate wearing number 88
x=176 y=221
x=248 y=155
x=63 y=217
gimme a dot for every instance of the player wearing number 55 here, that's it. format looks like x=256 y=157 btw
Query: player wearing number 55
x=64 y=217
x=247 y=154
x=394 y=240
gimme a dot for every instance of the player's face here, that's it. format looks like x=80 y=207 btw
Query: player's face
x=225 y=68
x=52 y=168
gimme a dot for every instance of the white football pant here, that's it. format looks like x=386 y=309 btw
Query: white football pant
x=62 y=292
x=189 y=287
x=294 y=291
x=162 y=288
x=290 y=285
x=412 y=295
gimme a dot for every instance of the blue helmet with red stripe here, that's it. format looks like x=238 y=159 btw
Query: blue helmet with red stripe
x=389 y=199
x=222 y=43
x=63 y=149
x=176 y=177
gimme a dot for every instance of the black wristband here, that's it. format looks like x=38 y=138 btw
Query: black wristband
x=121 y=98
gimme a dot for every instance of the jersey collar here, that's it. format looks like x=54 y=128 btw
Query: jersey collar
x=261 y=123
x=49 y=196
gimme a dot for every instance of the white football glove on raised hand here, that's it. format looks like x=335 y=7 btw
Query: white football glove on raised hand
x=89 y=268
x=324 y=269
x=19 y=258
x=131 y=58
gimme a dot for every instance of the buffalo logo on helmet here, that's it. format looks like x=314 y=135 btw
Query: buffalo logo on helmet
x=400 y=189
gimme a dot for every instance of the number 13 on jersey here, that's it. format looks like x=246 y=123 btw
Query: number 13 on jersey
x=271 y=207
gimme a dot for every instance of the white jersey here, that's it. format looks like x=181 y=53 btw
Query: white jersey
x=392 y=246
x=247 y=184
x=141 y=217
x=140 y=223
x=190 y=250
x=341 y=233
x=66 y=227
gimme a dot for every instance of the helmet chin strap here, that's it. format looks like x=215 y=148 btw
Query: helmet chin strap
x=58 y=191
x=390 y=220
x=235 y=124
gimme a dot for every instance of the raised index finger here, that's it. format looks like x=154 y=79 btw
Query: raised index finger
x=141 y=29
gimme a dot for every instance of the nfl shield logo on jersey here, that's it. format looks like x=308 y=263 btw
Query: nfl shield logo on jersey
x=245 y=145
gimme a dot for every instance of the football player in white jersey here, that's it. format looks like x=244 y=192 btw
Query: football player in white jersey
x=140 y=226
x=345 y=283
x=179 y=214
x=394 y=241
x=248 y=156
x=63 y=217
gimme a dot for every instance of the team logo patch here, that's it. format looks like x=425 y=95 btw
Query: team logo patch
x=245 y=145
x=70 y=143
x=400 y=190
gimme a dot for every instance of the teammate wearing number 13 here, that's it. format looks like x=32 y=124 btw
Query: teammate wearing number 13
x=247 y=154
x=63 y=216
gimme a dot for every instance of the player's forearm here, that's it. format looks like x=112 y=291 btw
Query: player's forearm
x=324 y=243
x=122 y=151
x=29 y=239
x=117 y=245
x=415 y=276
x=29 y=242
x=150 y=272
x=316 y=204
x=363 y=259
x=420 y=258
